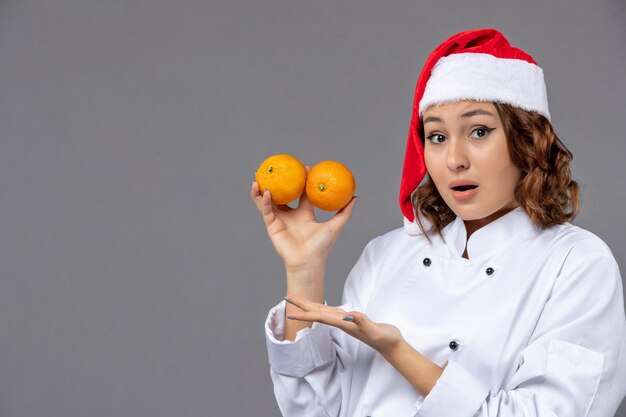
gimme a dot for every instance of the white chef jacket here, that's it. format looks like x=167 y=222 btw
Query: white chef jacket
x=536 y=318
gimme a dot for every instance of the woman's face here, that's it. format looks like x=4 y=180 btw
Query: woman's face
x=467 y=157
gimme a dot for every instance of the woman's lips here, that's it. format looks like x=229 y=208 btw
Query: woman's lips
x=464 y=195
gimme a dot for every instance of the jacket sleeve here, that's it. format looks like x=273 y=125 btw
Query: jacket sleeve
x=575 y=362
x=311 y=375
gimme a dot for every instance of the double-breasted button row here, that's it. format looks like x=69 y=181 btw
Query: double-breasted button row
x=428 y=262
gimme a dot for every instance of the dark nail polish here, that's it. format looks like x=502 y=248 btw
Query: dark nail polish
x=348 y=318
x=291 y=317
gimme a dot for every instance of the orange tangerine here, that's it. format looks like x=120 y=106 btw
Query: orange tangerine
x=284 y=176
x=330 y=185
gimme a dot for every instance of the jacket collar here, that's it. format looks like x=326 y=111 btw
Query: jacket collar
x=490 y=239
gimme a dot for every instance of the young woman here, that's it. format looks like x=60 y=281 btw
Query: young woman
x=488 y=302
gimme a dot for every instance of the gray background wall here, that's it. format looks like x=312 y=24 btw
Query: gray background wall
x=135 y=273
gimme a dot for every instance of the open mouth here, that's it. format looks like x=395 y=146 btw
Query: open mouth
x=464 y=187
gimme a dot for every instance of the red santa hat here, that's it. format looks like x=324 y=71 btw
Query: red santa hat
x=478 y=65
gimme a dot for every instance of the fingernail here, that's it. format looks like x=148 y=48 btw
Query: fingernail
x=348 y=318
x=291 y=317
x=288 y=300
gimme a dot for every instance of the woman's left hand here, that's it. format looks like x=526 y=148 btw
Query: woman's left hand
x=381 y=337
x=418 y=370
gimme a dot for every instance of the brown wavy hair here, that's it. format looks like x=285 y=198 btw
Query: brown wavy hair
x=546 y=190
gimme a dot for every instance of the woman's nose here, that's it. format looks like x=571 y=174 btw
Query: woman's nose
x=457 y=157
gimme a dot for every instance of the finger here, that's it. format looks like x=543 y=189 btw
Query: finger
x=355 y=324
x=332 y=318
x=254 y=191
x=307 y=305
x=357 y=318
x=358 y=324
x=264 y=204
x=304 y=303
x=339 y=220
x=304 y=203
x=257 y=196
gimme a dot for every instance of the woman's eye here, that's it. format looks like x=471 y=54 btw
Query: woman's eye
x=480 y=132
x=436 y=138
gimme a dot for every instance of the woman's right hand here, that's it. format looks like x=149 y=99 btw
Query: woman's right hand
x=298 y=238
x=303 y=244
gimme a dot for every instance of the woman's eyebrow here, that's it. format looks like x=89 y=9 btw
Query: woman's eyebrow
x=465 y=115
x=475 y=113
x=432 y=119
